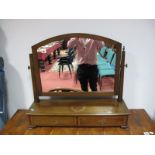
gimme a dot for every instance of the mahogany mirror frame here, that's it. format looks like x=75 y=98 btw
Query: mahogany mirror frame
x=35 y=71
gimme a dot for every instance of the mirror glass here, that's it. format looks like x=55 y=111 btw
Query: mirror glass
x=77 y=63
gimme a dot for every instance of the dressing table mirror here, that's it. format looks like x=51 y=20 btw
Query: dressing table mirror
x=59 y=98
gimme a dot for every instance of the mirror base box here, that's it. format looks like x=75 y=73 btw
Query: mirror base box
x=78 y=113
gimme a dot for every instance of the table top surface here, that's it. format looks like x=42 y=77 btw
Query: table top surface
x=139 y=123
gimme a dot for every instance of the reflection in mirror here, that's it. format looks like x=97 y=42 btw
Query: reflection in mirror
x=77 y=64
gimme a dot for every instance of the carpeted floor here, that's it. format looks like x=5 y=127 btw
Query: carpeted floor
x=50 y=79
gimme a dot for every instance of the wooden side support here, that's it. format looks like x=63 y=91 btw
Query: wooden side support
x=36 y=96
x=120 y=93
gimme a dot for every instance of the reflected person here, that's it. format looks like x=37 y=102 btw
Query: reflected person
x=87 y=71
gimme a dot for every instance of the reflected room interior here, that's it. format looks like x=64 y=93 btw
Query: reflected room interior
x=58 y=66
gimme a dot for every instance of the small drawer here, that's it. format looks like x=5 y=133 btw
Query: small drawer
x=102 y=120
x=53 y=121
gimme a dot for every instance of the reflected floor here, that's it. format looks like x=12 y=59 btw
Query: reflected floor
x=51 y=80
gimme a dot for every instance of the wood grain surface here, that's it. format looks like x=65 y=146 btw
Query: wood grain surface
x=139 y=124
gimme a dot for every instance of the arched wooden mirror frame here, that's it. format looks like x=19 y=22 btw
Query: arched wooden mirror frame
x=117 y=46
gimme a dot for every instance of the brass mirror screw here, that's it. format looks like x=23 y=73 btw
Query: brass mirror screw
x=126 y=65
x=29 y=67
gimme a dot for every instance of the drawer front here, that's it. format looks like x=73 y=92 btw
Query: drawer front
x=102 y=120
x=53 y=121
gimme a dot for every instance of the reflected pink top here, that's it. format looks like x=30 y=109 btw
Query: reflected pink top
x=86 y=49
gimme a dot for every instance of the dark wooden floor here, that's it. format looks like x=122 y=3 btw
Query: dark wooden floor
x=139 y=124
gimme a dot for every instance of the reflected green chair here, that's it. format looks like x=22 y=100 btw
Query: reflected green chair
x=106 y=67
